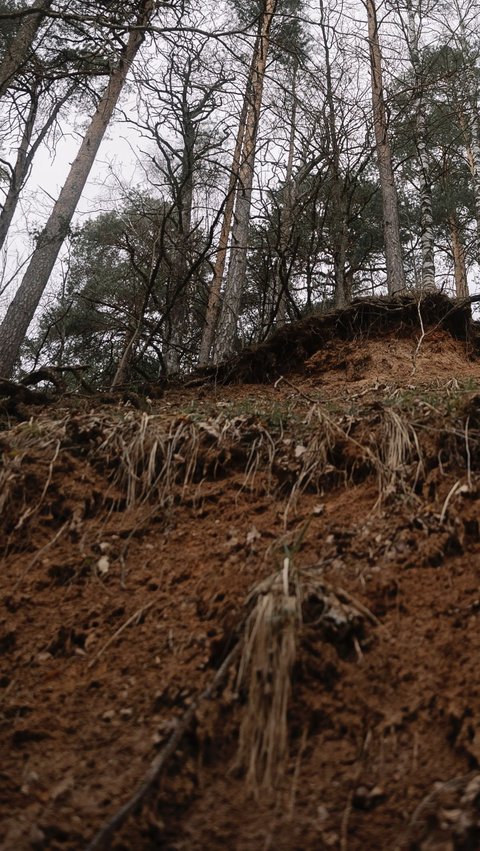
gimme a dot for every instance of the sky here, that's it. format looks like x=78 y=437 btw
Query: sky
x=116 y=164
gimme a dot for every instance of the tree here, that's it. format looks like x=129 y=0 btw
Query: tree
x=391 y=227
x=21 y=310
x=238 y=257
x=414 y=23
x=112 y=310
x=177 y=100
x=214 y=302
x=19 y=45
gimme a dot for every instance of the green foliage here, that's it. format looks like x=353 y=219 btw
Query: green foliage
x=289 y=39
x=119 y=276
x=8 y=26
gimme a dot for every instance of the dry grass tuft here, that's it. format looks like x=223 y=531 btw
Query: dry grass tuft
x=397 y=448
x=282 y=606
x=269 y=651
x=153 y=458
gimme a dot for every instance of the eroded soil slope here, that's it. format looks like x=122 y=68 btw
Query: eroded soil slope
x=307 y=552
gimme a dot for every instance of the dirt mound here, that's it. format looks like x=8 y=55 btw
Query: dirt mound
x=247 y=616
x=376 y=318
x=437 y=356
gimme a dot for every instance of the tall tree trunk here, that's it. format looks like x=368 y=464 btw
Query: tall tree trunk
x=425 y=189
x=427 y=238
x=19 y=172
x=177 y=306
x=470 y=125
x=213 y=306
x=21 y=311
x=339 y=235
x=281 y=282
x=18 y=51
x=339 y=262
x=472 y=148
x=25 y=155
x=238 y=258
x=391 y=228
x=458 y=253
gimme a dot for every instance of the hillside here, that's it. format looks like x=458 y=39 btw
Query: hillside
x=245 y=614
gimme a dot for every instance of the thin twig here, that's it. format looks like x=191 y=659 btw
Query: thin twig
x=469 y=457
x=119 y=631
x=297 y=389
x=423 y=335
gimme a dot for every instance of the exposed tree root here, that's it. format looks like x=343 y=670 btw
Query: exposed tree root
x=291 y=345
x=151 y=777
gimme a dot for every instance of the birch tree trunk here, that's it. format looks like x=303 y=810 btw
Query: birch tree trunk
x=426 y=210
x=238 y=258
x=21 y=311
x=19 y=50
x=470 y=126
x=391 y=228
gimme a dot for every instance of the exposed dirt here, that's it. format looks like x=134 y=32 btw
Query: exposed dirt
x=134 y=543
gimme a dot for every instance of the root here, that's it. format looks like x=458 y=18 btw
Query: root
x=150 y=779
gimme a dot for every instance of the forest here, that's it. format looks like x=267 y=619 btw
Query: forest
x=239 y=425
x=285 y=158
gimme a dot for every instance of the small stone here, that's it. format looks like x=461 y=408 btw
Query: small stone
x=103 y=565
x=126 y=712
x=108 y=715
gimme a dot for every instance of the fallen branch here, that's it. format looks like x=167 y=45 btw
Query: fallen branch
x=152 y=775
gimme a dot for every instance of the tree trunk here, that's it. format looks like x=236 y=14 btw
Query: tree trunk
x=177 y=306
x=339 y=261
x=339 y=231
x=472 y=148
x=426 y=212
x=238 y=258
x=21 y=311
x=391 y=228
x=458 y=253
x=281 y=282
x=213 y=306
x=425 y=190
x=19 y=50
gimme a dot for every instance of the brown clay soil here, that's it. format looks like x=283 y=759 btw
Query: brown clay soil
x=134 y=543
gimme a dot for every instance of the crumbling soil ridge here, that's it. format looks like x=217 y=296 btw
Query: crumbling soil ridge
x=366 y=318
x=319 y=538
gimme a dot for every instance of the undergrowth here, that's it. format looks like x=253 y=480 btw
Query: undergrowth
x=283 y=448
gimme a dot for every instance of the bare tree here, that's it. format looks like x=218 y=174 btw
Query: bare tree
x=29 y=144
x=391 y=227
x=414 y=24
x=238 y=260
x=21 y=310
x=213 y=306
